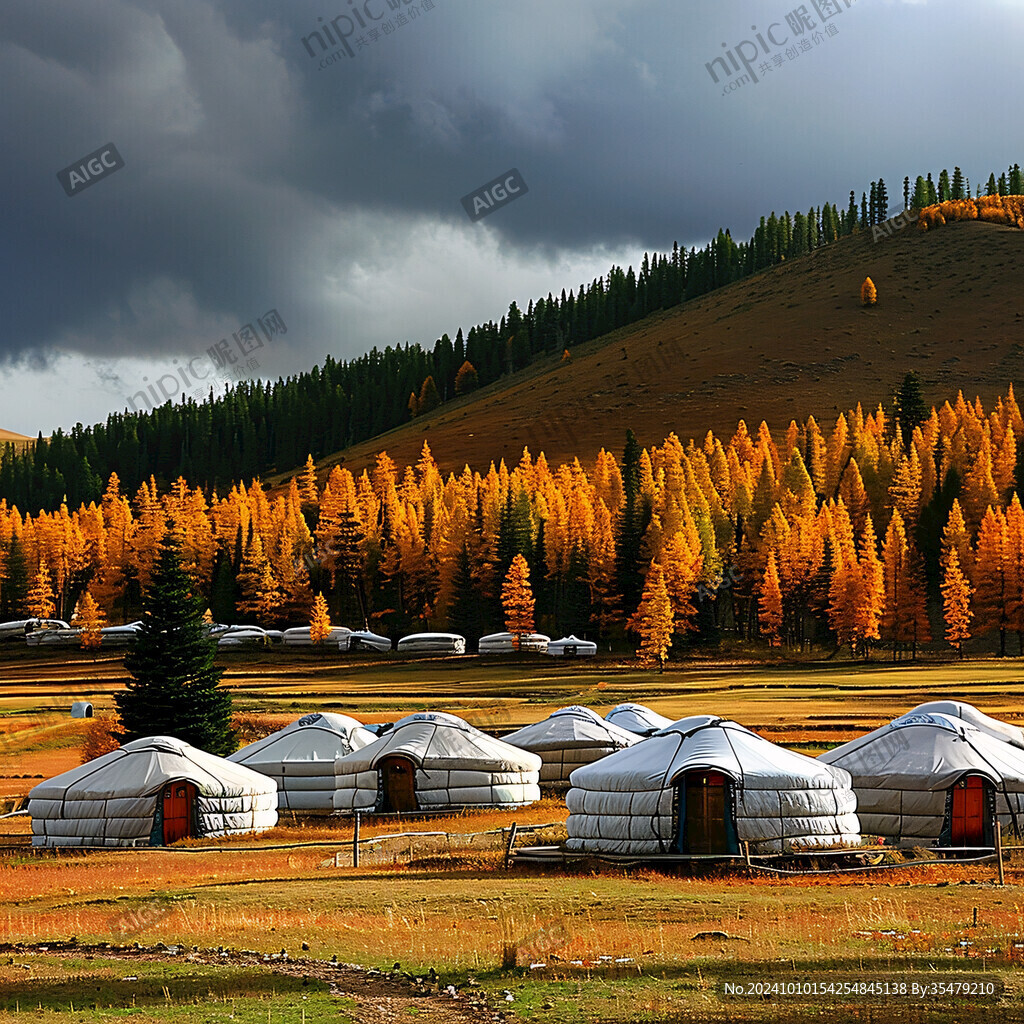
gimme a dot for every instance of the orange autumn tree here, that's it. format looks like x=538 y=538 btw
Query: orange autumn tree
x=89 y=618
x=320 y=621
x=904 y=618
x=868 y=293
x=653 y=620
x=956 y=604
x=517 y=600
x=40 y=603
x=770 y=605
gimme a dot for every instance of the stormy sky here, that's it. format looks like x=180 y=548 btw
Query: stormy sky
x=273 y=163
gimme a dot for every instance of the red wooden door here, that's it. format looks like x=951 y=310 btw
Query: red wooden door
x=968 y=815
x=705 y=813
x=178 y=800
x=399 y=784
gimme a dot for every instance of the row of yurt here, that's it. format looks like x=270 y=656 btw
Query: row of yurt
x=151 y=792
x=944 y=774
x=433 y=760
x=704 y=785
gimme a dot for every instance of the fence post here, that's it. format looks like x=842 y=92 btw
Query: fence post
x=355 y=843
x=511 y=844
x=999 y=854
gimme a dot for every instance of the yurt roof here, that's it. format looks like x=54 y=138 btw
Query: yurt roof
x=573 y=725
x=569 y=640
x=637 y=718
x=927 y=751
x=320 y=736
x=439 y=740
x=707 y=743
x=142 y=766
x=970 y=714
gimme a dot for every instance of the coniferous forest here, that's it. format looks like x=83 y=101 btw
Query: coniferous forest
x=257 y=428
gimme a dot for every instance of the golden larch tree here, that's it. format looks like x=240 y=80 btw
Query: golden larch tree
x=517 y=600
x=956 y=603
x=320 y=621
x=40 y=603
x=770 y=606
x=89 y=618
x=868 y=292
x=989 y=580
x=653 y=620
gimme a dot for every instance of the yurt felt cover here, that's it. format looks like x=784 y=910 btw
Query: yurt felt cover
x=301 y=756
x=568 y=738
x=628 y=802
x=903 y=772
x=972 y=716
x=637 y=718
x=112 y=800
x=456 y=766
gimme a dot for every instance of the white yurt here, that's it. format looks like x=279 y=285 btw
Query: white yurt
x=504 y=643
x=703 y=785
x=434 y=761
x=929 y=779
x=571 y=647
x=432 y=643
x=567 y=739
x=972 y=716
x=637 y=718
x=151 y=792
x=300 y=758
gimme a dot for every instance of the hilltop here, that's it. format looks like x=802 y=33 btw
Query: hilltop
x=789 y=342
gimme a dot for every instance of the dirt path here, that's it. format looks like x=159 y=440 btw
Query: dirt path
x=381 y=997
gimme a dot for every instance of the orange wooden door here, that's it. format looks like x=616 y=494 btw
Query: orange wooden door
x=968 y=814
x=705 y=813
x=178 y=800
x=398 y=775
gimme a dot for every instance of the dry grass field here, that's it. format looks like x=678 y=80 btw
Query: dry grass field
x=615 y=944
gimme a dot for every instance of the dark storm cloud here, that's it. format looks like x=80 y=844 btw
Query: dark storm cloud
x=255 y=178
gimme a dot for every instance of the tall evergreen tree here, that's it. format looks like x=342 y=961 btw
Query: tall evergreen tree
x=174 y=686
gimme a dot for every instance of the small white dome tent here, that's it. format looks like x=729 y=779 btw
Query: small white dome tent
x=435 y=761
x=1011 y=734
x=571 y=647
x=703 y=785
x=81 y=709
x=300 y=758
x=637 y=718
x=504 y=643
x=151 y=792
x=930 y=779
x=567 y=739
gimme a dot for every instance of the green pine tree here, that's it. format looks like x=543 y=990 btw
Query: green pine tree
x=14 y=580
x=173 y=689
x=957 y=190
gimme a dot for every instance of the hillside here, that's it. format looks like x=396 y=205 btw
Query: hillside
x=20 y=441
x=790 y=342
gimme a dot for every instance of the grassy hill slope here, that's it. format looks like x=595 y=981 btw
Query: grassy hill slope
x=788 y=343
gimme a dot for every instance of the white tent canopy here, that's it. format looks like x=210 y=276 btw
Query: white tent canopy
x=431 y=761
x=704 y=785
x=504 y=643
x=637 y=718
x=132 y=796
x=571 y=646
x=300 y=758
x=567 y=739
x=912 y=781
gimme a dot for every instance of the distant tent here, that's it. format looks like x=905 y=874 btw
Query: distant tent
x=151 y=792
x=572 y=647
x=364 y=640
x=434 y=761
x=703 y=785
x=567 y=739
x=300 y=758
x=504 y=643
x=432 y=643
x=928 y=779
x=81 y=709
x=637 y=718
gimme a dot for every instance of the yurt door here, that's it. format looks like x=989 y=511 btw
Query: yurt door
x=969 y=813
x=706 y=818
x=179 y=798
x=398 y=784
